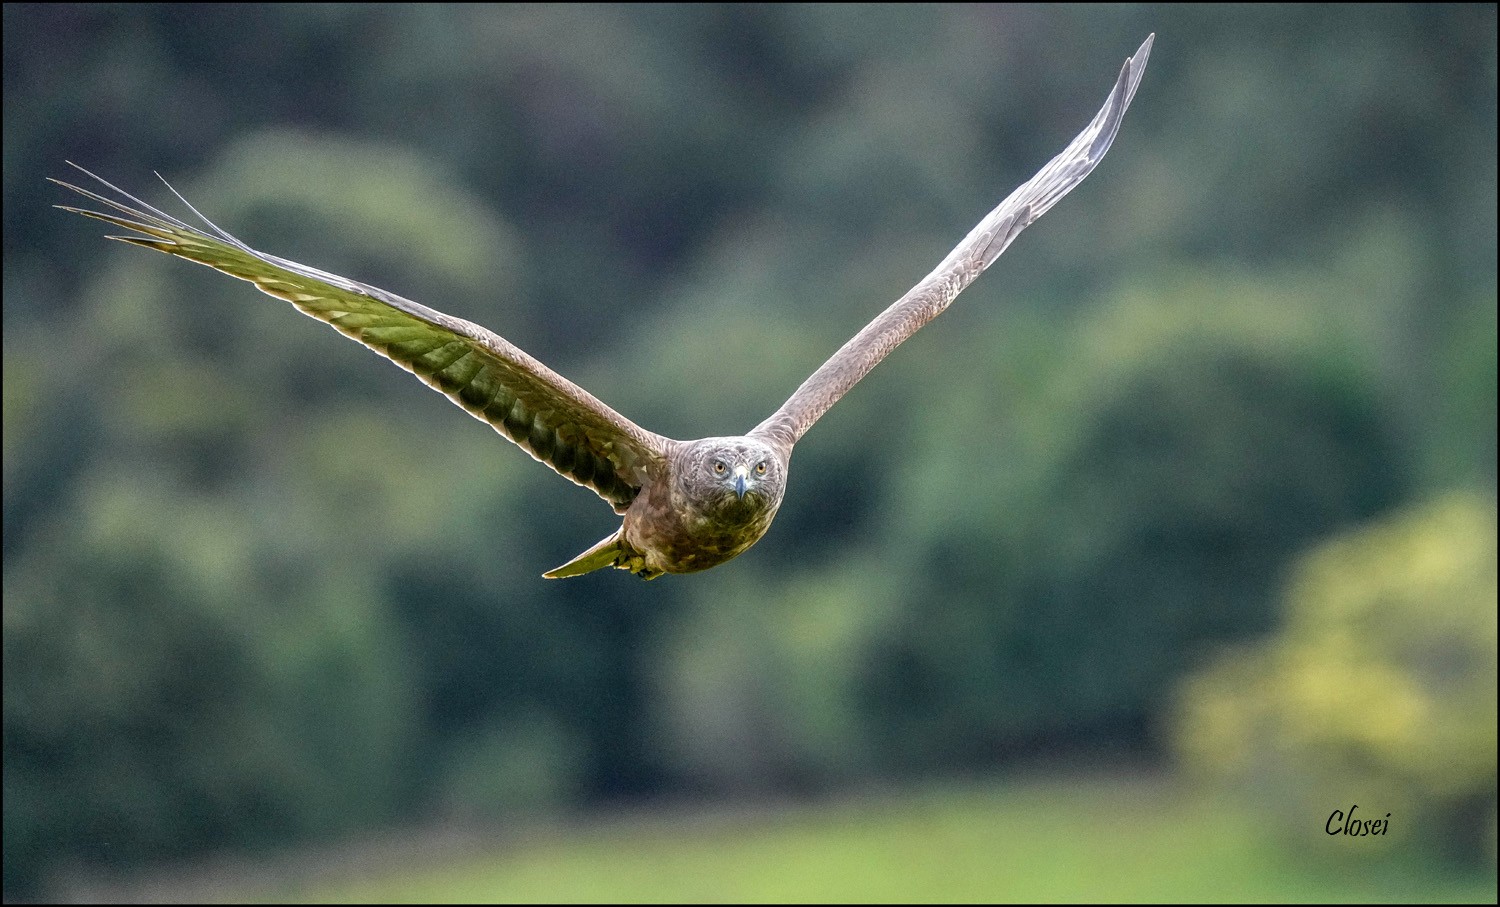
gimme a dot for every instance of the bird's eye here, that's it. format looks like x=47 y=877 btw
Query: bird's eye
x=760 y=468
x=719 y=467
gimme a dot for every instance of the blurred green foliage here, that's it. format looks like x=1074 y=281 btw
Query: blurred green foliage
x=261 y=587
x=1378 y=690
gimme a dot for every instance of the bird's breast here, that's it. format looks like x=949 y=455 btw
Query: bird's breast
x=677 y=536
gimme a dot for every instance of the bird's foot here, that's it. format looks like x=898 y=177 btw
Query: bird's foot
x=637 y=565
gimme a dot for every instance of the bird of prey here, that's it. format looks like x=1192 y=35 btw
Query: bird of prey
x=687 y=505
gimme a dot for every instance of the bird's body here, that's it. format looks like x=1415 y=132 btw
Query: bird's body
x=717 y=499
x=687 y=505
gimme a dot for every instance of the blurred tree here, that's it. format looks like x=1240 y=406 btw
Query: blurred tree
x=1180 y=463
x=153 y=707
x=1379 y=690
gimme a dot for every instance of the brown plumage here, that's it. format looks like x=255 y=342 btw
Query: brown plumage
x=687 y=505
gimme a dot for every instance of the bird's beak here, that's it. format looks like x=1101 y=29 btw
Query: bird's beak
x=740 y=475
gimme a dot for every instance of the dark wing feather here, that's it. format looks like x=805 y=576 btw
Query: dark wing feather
x=548 y=416
x=978 y=251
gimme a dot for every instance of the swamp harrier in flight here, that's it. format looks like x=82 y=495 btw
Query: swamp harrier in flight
x=687 y=505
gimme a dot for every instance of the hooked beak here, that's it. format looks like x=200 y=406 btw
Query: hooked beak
x=740 y=475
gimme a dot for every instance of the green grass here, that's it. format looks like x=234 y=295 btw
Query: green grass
x=1086 y=839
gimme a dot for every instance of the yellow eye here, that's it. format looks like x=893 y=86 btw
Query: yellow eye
x=719 y=467
x=760 y=468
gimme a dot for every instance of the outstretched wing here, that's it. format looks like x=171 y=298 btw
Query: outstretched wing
x=978 y=251
x=548 y=416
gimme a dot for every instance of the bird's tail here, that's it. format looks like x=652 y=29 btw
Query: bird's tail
x=610 y=551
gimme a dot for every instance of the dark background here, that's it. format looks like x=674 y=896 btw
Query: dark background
x=261 y=587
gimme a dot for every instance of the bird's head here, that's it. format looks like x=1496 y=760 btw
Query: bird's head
x=733 y=473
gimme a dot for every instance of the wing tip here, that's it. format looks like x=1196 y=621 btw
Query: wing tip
x=1113 y=113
